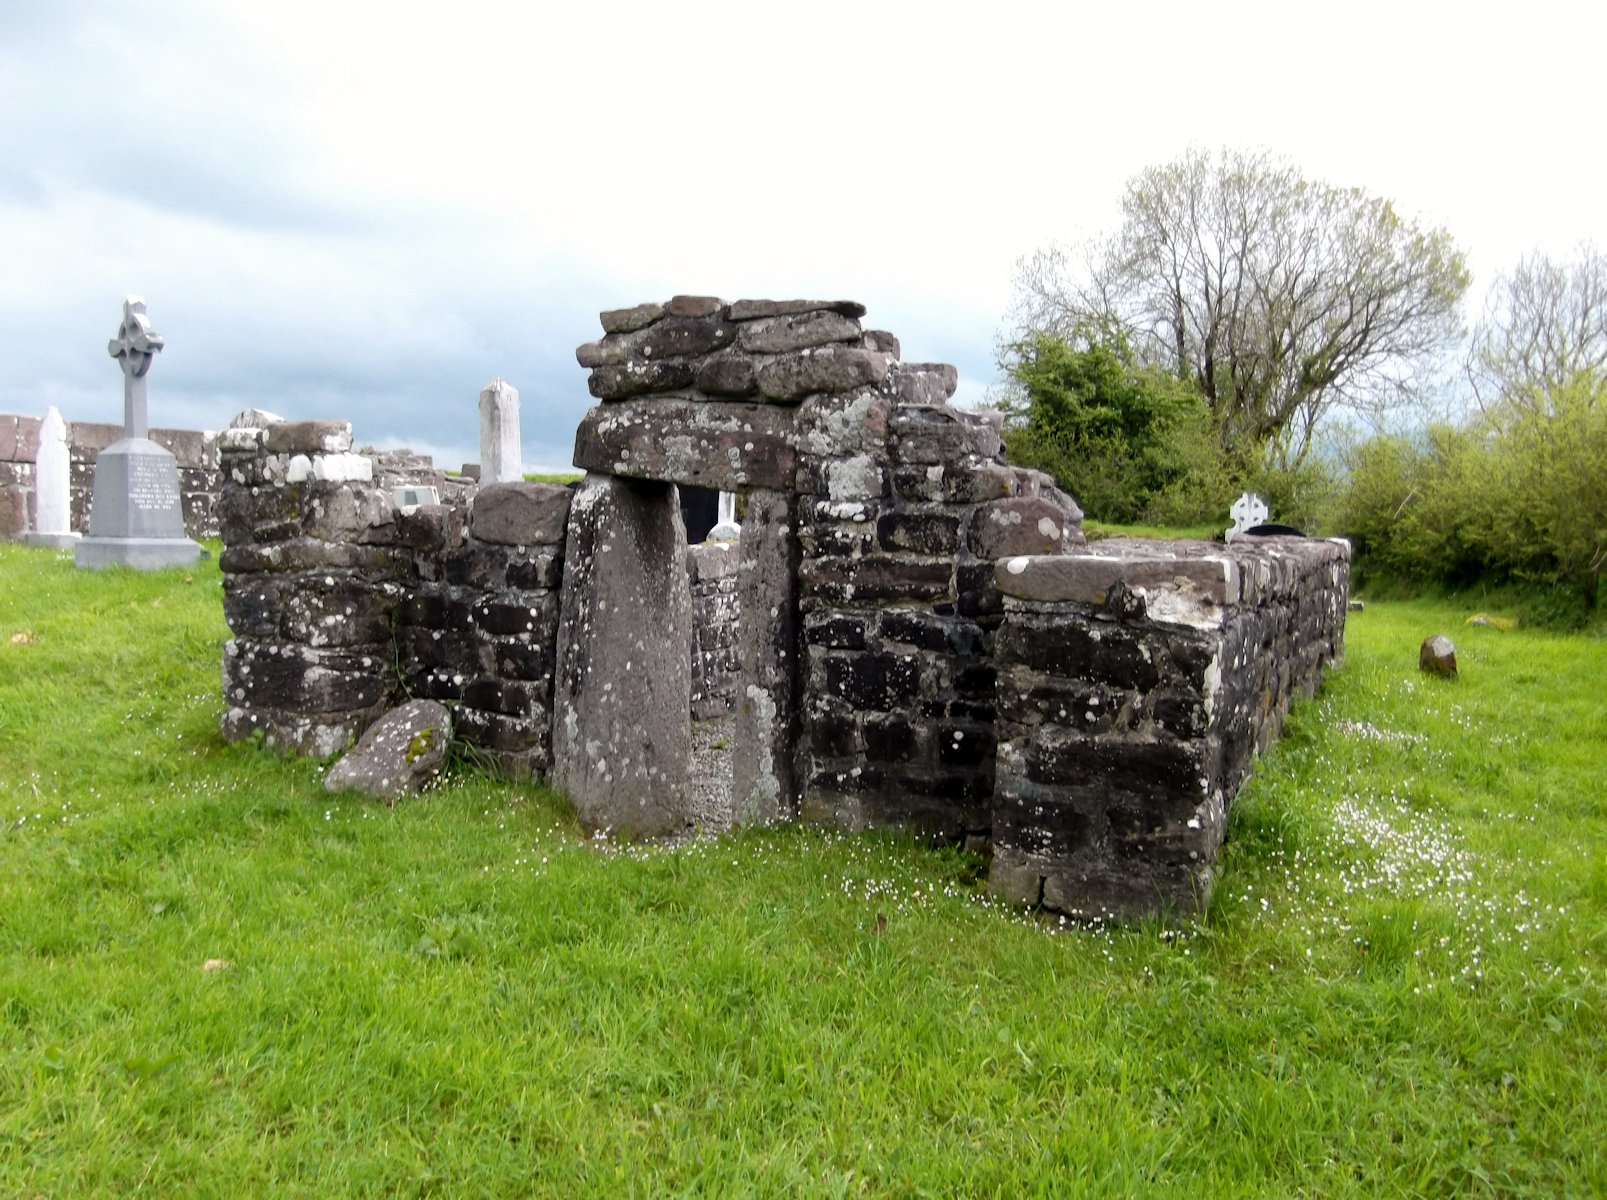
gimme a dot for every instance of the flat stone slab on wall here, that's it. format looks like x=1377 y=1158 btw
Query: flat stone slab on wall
x=1136 y=682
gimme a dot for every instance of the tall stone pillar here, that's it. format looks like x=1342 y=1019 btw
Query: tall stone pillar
x=763 y=786
x=622 y=687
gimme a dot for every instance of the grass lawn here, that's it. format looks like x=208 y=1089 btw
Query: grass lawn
x=1400 y=989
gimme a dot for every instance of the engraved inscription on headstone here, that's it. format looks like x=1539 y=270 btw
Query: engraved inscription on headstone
x=149 y=487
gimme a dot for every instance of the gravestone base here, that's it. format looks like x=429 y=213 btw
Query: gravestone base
x=143 y=554
x=52 y=541
x=138 y=518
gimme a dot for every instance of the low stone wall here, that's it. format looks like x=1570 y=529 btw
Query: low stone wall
x=1136 y=682
x=196 y=452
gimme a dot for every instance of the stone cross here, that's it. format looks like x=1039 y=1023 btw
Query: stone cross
x=1248 y=511
x=133 y=348
x=501 y=457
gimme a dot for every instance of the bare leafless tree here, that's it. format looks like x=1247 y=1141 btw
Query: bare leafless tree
x=1544 y=324
x=1280 y=297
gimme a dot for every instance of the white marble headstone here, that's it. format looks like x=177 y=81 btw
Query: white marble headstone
x=1248 y=511
x=501 y=459
x=53 y=522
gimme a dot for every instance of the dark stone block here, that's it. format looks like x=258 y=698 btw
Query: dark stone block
x=1037 y=823
x=436 y=609
x=964 y=745
x=873 y=579
x=833 y=733
x=504 y=696
x=873 y=682
x=532 y=660
x=298 y=678
x=840 y=631
x=520 y=513
x=976 y=682
x=1118 y=656
x=977 y=593
x=537 y=571
x=891 y=738
x=637 y=379
x=728 y=374
x=422 y=649
x=1163 y=772
x=535 y=616
x=498 y=731
x=920 y=532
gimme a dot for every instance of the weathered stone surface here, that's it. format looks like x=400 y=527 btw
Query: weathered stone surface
x=640 y=378
x=747 y=310
x=1437 y=656
x=1017 y=526
x=398 y=754
x=628 y=320
x=826 y=369
x=923 y=383
x=882 y=342
x=875 y=579
x=937 y=436
x=723 y=445
x=621 y=724
x=781 y=335
x=728 y=374
x=308 y=437
x=694 y=306
x=525 y=513
x=1087 y=576
x=764 y=788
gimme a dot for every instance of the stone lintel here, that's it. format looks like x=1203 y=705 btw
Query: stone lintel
x=675 y=439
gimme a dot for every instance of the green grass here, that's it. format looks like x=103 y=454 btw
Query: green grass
x=1208 y=532
x=1400 y=989
x=560 y=477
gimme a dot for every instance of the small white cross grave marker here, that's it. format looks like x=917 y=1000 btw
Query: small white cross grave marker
x=1248 y=511
x=134 y=346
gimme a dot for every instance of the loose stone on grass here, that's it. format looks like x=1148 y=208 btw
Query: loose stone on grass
x=399 y=753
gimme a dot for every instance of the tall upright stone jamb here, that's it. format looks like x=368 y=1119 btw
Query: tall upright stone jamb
x=137 y=516
x=501 y=457
x=53 y=487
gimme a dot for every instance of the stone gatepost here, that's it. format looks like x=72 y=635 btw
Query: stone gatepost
x=765 y=743
x=137 y=519
x=621 y=737
x=53 y=487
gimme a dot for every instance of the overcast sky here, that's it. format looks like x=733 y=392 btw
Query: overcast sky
x=370 y=210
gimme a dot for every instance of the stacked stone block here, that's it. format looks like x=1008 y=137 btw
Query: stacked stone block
x=1136 y=682
x=477 y=628
x=313 y=570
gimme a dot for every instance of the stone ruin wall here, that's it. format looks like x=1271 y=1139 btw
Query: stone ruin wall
x=195 y=451
x=911 y=631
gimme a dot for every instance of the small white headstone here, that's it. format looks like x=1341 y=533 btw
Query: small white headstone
x=53 y=485
x=726 y=528
x=413 y=495
x=501 y=459
x=1248 y=511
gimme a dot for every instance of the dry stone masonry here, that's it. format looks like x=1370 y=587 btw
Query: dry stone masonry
x=910 y=632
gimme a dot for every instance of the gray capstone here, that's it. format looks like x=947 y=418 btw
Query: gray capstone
x=621 y=721
x=399 y=753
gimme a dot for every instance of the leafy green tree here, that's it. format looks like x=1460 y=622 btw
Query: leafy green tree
x=1278 y=297
x=1116 y=434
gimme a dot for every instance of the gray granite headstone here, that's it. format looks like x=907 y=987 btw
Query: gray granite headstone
x=53 y=487
x=501 y=457
x=137 y=518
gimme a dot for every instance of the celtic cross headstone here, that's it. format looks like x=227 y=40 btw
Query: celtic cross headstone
x=137 y=516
